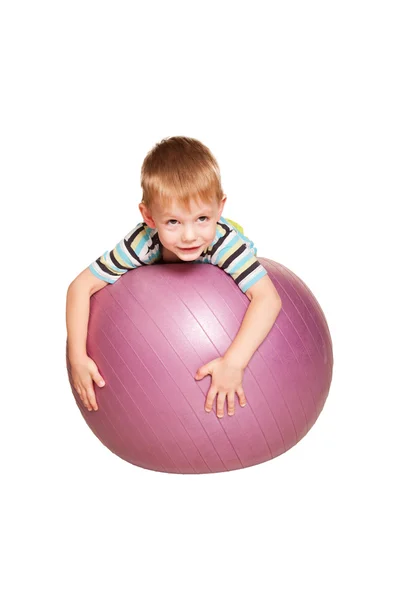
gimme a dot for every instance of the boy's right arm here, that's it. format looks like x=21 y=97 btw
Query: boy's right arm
x=83 y=369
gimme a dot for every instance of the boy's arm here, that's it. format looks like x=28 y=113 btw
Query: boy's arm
x=265 y=305
x=77 y=312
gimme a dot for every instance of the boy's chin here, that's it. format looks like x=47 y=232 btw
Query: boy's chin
x=188 y=257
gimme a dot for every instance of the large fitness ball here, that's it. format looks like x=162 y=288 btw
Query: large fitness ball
x=150 y=332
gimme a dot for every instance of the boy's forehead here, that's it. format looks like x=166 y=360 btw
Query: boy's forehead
x=195 y=206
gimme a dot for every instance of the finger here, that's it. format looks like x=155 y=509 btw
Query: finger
x=91 y=397
x=220 y=404
x=85 y=389
x=210 y=399
x=231 y=403
x=80 y=393
x=241 y=396
x=84 y=400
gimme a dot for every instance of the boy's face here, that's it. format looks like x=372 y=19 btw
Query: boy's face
x=184 y=234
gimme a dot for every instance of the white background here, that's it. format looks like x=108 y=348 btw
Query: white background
x=299 y=102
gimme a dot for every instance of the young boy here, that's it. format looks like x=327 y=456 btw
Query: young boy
x=182 y=208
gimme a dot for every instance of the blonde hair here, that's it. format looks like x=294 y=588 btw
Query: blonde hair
x=180 y=168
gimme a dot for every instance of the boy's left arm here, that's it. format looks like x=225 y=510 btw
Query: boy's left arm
x=227 y=371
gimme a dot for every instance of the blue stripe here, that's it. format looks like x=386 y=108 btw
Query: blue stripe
x=252 y=281
x=124 y=255
x=224 y=250
x=239 y=265
x=102 y=277
x=138 y=247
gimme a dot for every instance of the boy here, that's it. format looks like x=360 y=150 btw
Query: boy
x=182 y=208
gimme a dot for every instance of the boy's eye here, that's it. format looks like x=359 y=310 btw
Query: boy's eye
x=172 y=221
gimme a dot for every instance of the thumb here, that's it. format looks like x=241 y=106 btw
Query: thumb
x=98 y=379
x=94 y=373
x=202 y=372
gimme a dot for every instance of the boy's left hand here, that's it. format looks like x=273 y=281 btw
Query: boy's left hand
x=226 y=380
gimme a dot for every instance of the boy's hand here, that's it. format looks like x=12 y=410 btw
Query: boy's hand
x=226 y=380
x=82 y=373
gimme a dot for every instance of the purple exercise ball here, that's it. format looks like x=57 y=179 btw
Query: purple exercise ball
x=151 y=331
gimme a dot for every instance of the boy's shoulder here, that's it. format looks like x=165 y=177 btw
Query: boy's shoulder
x=230 y=230
x=141 y=244
x=231 y=224
x=229 y=240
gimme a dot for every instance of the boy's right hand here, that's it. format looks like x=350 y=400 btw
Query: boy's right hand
x=83 y=373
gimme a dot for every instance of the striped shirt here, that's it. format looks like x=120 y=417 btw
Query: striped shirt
x=231 y=251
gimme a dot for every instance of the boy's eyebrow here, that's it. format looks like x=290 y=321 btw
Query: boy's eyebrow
x=200 y=214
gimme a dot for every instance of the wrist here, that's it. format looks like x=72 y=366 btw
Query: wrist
x=76 y=356
x=234 y=359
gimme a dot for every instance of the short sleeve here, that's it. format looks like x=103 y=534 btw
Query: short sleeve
x=138 y=248
x=236 y=255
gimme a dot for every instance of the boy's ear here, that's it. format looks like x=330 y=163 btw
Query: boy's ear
x=221 y=206
x=146 y=214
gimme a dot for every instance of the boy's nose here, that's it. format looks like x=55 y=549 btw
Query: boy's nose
x=188 y=236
